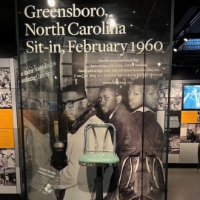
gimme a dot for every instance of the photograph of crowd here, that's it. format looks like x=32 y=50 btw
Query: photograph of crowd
x=5 y=78
x=174 y=144
x=175 y=103
x=162 y=96
x=190 y=133
x=175 y=96
x=5 y=98
x=176 y=90
x=7 y=167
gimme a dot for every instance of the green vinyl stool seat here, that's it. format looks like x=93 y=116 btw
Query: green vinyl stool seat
x=99 y=157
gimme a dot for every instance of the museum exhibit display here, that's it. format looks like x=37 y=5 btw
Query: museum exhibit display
x=83 y=63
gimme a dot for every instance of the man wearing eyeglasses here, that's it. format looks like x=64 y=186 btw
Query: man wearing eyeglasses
x=128 y=137
x=77 y=182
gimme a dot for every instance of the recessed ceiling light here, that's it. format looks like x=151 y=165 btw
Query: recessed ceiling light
x=159 y=64
x=51 y=3
x=131 y=24
x=134 y=11
x=175 y=49
x=185 y=39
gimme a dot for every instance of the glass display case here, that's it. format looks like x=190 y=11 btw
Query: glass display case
x=83 y=62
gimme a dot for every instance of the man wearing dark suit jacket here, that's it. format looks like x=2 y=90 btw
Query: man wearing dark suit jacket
x=153 y=137
x=128 y=142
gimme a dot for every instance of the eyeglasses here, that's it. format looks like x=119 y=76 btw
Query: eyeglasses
x=70 y=103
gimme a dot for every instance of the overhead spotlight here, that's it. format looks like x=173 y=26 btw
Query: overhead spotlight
x=131 y=24
x=51 y=3
x=112 y=22
x=134 y=11
x=159 y=64
x=55 y=77
x=175 y=50
x=185 y=39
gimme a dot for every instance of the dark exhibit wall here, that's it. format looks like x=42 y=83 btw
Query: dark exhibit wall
x=8 y=47
x=185 y=73
x=95 y=63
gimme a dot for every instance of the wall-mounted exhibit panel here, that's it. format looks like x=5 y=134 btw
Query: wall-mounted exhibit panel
x=184 y=122
x=10 y=173
x=174 y=158
x=189 y=153
x=189 y=117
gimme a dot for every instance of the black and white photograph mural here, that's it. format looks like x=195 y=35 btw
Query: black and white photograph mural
x=112 y=74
